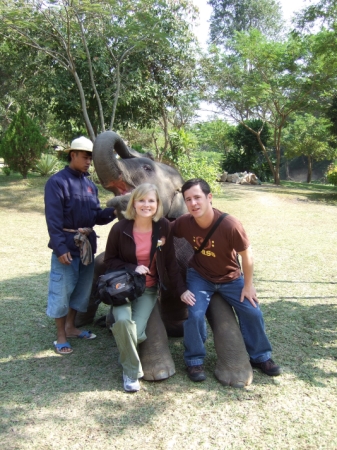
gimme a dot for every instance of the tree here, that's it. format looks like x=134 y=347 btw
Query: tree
x=229 y=16
x=266 y=80
x=248 y=155
x=215 y=135
x=322 y=14
x=97 y=42
x=19 y=83
x=22 y=144
x=309 y=136
x=331 y=113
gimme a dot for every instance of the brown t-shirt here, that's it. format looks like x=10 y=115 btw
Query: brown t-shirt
x=217 y=262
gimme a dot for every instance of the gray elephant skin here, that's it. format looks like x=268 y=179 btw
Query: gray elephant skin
x=120 y=169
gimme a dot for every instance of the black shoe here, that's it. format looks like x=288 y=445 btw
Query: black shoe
x=268 y=367
x=196 y=373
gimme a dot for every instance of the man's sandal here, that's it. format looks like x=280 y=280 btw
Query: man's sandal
x=59 y=347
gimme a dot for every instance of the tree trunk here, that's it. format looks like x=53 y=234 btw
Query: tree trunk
x=277 y=180
x=309 y=175
x=287 y=169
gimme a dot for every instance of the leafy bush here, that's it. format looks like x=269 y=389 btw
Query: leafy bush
x=331 y=175
x=6 y=170
x=93 y=175
x=47 y=165
x=247 y=155
x=198 y=165
x=22 y=144
x=239 y=161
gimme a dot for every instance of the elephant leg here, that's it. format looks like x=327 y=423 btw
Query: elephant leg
x=154 y=352
x=232 y=367
x=84 y=318
x=173 y=312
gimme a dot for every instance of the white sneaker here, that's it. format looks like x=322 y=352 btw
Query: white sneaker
x=130 y=385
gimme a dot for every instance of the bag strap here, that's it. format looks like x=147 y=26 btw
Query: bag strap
x=155 y=237
x=211 y=231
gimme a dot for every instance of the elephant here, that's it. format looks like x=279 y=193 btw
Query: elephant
x=120 y=174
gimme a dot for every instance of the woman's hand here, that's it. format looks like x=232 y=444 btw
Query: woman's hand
x=188 y=298
x=142 y=270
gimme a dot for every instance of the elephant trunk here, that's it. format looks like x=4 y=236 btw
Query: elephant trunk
x=109 y=169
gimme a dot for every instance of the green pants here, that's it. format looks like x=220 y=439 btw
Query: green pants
x=129 y=330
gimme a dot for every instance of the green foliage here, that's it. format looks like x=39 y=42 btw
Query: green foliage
x=331 y=175
x=261 y=78
x=237 y=160
x=47 y=165
x=215 y=135
x=309 y=136
x=6 y=170
x=230 y=16
x=200 y=165
x=22 y=144
x=93 y=174
x=244 y=138
x=181 y=142
x=120 y=62
x=331 y=114
x=247 y=155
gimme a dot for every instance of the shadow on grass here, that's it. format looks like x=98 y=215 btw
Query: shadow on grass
x=33 y=376
x=304 y=337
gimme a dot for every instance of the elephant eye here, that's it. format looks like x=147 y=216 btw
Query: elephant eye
x=147 y=167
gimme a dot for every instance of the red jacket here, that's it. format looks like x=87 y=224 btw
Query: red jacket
x=120 y=252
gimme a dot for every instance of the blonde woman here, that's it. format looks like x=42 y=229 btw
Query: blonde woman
x=129 y=246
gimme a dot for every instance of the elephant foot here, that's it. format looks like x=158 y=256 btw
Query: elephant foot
x=154 y=352
x=160 y=370
x=237 y=378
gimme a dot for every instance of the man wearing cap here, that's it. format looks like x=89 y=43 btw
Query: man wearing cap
x=72 y=209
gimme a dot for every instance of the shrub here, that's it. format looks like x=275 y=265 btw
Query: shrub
x=239 y=161
x=47 y=165
x=331 y=175
x=6 y=170
x=22 y=144
x=197 y=165
x=93 y=175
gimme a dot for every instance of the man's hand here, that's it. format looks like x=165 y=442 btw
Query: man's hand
x=65 y=259
x=248 y=290
x=250 y=294
x=188 y=298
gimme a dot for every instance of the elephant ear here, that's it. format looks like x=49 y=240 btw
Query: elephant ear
x=177 y=207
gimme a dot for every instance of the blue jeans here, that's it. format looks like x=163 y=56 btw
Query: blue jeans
x=69 y=286
x=250 y=319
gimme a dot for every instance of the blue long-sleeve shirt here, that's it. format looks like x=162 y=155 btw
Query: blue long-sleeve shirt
x=71 y=201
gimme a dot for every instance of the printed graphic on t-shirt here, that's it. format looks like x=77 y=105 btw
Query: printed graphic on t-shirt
x=198 y=240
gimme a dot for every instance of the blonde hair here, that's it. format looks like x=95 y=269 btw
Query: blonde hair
x=138 y=194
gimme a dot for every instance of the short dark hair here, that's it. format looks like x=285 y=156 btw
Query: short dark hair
x=194 y=182
x=76 y=151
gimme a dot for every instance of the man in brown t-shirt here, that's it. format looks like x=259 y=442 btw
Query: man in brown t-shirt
x=216 y=269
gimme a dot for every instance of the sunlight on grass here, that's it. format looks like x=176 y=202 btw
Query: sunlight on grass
x=77 y=401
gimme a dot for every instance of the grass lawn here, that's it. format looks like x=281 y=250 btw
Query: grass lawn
x=77 y=402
